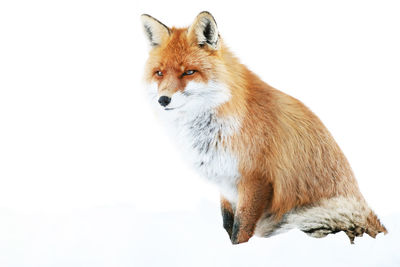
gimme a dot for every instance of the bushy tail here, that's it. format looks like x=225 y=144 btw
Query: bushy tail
x=374 y=226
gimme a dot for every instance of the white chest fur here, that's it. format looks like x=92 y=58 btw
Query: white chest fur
x=203 y=137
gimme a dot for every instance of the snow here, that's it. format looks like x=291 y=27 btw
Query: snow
x=123 y=236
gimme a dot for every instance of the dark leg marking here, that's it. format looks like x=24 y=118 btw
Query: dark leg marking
x=235 y=231
x=227 y=218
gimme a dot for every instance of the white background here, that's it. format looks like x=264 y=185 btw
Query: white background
x=89 y=178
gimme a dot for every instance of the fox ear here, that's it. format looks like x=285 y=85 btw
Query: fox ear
x=204 y=30
x=155 y=31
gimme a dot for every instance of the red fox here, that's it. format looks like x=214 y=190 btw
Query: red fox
x=276 y=165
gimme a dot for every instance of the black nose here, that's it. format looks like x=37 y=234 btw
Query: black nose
x=164 y=100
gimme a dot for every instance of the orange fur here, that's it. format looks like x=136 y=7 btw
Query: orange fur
x=287 y=158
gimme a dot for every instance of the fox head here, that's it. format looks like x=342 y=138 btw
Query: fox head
x=186 y=67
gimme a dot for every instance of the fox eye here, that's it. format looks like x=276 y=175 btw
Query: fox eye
x=159 y=73
x=188 y=72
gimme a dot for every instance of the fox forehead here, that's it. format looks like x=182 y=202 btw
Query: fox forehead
x=178 y=53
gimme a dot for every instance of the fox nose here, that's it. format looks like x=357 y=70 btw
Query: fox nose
x=164 y=100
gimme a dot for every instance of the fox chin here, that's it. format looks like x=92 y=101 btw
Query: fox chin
x=276 y=165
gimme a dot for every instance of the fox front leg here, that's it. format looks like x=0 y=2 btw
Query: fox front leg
x=228 y=214
x=253 y=199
